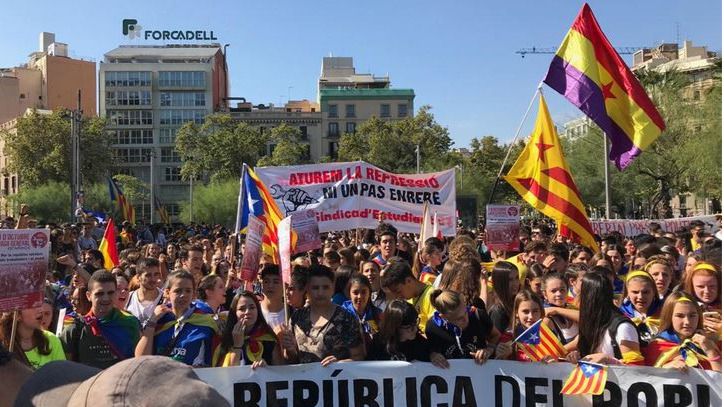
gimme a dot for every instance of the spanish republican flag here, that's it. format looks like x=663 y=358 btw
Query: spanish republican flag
x=108 y=246
x=586 y=378
x=541 y=176
x=591 y=75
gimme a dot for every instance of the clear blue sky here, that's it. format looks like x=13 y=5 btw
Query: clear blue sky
x=458 y=56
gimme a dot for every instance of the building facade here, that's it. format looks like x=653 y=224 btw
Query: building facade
x=147 y=93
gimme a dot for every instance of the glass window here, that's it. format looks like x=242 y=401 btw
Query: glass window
x=132 y=155
x=134 y=136
x=168 y=135
x=351 y=127
x=182 y=99
x=333 y=149
x=333 y=129
x=187 y=79
x=175 y=117
x=172 y=174
x=402 y=110
x=170 y=155
x=130 y=117
x=303 y=132
x=126 y=78
x=384 y=110
x=349 y=111
x=332 y=110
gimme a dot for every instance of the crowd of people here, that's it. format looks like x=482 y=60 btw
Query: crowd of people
x=652 y=299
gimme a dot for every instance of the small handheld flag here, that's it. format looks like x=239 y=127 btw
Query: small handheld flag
x=255 y=200
x=586 y=378
x=539 y=341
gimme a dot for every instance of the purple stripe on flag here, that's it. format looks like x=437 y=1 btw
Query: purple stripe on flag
x=580 y=90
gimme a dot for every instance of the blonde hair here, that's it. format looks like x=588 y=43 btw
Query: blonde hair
x=667 y=311
x=445 y=301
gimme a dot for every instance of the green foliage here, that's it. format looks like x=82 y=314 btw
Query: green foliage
x=39 y=148
x=219 y=147
x=134 y=189
x=391 y=145
x=288 y=148
x=214 y=203
x=49 y=202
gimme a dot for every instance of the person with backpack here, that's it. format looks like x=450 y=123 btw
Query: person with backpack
x=605 y=335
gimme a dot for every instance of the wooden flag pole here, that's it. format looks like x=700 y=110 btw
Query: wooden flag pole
x=14 y=329
x=538 y=91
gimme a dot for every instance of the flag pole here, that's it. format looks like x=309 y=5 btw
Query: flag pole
x=607 y=176
x=538 y=91
x=240 y=201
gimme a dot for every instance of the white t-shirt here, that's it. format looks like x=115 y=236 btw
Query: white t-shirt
x=624 y=332
x=139 y=310
x=273 y=319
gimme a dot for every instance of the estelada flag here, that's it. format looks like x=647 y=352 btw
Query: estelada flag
x=588 y=71
x=542 y=177
x=108 y=246
x=539 y=341
x=255 y=200
x=586 y=378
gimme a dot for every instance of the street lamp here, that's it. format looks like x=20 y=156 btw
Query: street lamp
x=151 y=156
x=462 y=174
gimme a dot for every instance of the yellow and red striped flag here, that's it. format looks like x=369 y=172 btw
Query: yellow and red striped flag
x=255 y=200
x=586 y=378
x=542 y=177
x=588 y=71
x=539 y=341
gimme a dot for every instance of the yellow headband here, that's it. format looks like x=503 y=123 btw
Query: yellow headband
x=657 y=261
x=683 y=299
x=638 y=273
x=705 y=266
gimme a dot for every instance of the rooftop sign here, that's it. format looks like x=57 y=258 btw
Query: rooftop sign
x=132 y=30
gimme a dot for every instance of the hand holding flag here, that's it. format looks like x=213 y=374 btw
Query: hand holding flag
x=539 y=341
x=586 y=378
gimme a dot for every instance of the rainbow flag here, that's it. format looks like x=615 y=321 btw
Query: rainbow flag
x=255 y=199
x=586 y=378
x=125 y=207
x=591 y=75
x=539 y=341
x=542 y=178
x=108 y=246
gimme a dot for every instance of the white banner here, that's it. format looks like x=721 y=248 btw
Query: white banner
x=633 y=227
x=495 y=383
x=354 y=195
x=502 y=227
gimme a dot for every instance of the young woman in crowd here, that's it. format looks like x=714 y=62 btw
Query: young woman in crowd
x=528 y=309
x=360 y=306
x=399 y=337
x=179 y=329
x=604 y=334
x=506 y=284
x=247 y=339
x=580 y=254
x=681 y=334
x=703 y=283
x=341 y=279
x=458 y=331
x=430 y=257
x=34 y=346
x=465 y=276
x=121 y=291
x=534 y=279
x=642 y=304
x=371 y=270
x=660 y=269
x=573 y=276
x=323 y=331
x=563 y=319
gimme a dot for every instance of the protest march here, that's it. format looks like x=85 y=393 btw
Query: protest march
x=348 y=284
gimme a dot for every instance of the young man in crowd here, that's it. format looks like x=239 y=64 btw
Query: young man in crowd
x=192 y=260
x=106 y=335
x=141 y=302
x=272 y=306
x=387 y=239
x=398 y=279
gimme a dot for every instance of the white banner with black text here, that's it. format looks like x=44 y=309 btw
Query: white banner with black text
x=495 y=383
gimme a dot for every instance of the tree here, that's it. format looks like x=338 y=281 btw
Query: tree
x=219 y=147
x=38 y=149
x=214 y=203
x=134 y=189
x=288 y=148
x=49 y=202
x=391 y=145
